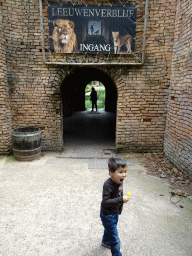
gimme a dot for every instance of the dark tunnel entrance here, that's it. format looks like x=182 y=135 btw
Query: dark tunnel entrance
x=73 y=90
x=81 y=126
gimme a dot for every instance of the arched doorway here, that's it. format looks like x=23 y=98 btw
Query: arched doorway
x=83 y=126
x=73 y=90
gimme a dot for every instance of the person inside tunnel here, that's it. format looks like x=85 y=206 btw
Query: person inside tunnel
x=93 y=98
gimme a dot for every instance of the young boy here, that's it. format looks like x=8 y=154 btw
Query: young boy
x=112 y=204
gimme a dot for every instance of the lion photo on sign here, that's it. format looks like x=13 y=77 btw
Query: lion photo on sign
x=64 y=37
x=120 y=41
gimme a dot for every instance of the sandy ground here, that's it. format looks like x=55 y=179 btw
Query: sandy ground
x=51 y=207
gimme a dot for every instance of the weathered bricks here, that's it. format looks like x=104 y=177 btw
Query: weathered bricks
x=5 y=108
x=31 y=90
x=178 y=133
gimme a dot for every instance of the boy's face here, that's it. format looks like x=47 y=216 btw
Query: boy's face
x=119 y=175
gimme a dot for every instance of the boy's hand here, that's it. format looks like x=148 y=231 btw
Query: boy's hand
x=125 y=199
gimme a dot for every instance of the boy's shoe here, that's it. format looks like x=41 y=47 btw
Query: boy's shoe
x=106 y=244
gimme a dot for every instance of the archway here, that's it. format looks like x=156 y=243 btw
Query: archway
x=80 y=124
x=73 y=90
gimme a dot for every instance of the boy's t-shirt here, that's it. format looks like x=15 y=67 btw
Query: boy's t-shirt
x=112 y=197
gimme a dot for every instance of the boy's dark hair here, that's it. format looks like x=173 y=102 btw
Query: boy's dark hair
x=116 y=162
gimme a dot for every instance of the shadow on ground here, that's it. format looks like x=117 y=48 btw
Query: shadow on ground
x=50 y=207
x=89 y=134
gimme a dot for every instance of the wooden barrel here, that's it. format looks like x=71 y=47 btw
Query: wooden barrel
x=26 y=143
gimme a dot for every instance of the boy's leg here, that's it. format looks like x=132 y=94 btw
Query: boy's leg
x=105 y=237
x=110 y=225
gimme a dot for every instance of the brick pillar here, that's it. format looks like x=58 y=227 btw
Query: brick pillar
x=178 y=133
x=5 y=109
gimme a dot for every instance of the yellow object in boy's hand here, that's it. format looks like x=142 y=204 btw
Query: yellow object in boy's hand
x=128 y=193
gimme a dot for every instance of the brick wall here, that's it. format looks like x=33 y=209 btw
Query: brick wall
x=34 y=100
x=5 y=111
x=178 y=135
x=142 y=90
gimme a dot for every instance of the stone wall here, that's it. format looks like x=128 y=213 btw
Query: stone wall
x=142 y=90
x=178 y=136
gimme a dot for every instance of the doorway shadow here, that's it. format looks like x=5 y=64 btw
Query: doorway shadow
x=84 y=130
x=88 y=133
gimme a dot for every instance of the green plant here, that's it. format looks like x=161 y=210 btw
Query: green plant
x=101 y=99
